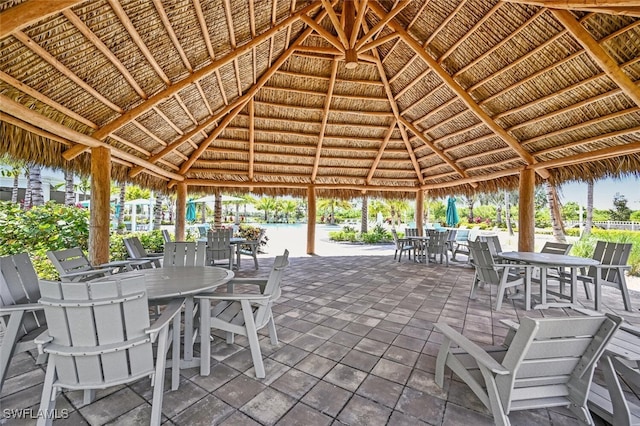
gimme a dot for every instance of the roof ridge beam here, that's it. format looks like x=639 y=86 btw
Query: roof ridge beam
x=24 y=14
x=612 y=7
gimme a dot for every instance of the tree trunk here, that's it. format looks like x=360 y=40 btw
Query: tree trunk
x=499 y=214
x=69 y=193
x=364 y=216
x=217 y=222
x=507 y=205
x=589 y=222
x=14 y=190
x=157 y=212
x=120 y=220
x=27 y=192
x=37 y=196
x=556 y=219
x=470 y=202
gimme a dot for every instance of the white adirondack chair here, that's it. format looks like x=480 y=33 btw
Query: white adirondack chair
x=402 y=245
x=242 y=313
x=184 y=254
x=137 y=252
x=20 y=314
x=503 y=275
x=251 y=247
x=545 y=363
x=436 y=246
x=166 y=236
x=73 y=265
x=219 y=246
x=99 y=336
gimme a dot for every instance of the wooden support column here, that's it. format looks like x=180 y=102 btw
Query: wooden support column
x=100 y=212
x=526 y=211
x=311 y=220
x=420 y=211
x=181 y=210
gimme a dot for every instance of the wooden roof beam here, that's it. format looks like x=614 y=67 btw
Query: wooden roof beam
x=198 y=74
x=342 y=36
x=412 y=83
x=172 y=34
x=411 y=24
x=86 y=31
x=458 y=90
x=598 y=54
x=59 y=66
x=323 y=32
x=29 y=12
x=380 y=25
x=612 y=7
x=444 y=23
x=325 y=117
x=135 y=37
x=252 y=134
x=586 y=157
x=383 y=146
x=250 y=93
x=598 y=138
x=262 y=184
x=23 y=113
x=44 y=99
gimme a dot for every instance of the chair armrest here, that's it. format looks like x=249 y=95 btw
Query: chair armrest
x=511 y=324
x=252 y=281
x=20 y=307
x=172 y=309
x=235 y=296
x=41 y=341
x=86 y=273
x=479 y=354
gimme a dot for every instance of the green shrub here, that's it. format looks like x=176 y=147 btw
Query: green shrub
x=585 y=246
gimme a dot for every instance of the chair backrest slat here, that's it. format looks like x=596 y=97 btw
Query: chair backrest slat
x=95 y=323
x=483 y=261
x=69 y=260
x=185 y=254
x=19 y=285
x=610 y=253
x=552 y=247
x=135 y=248
x=272 y=288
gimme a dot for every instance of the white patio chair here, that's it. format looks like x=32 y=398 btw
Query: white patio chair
x=505 y=276
x=136 y=251
x=251 y=247
x=242 y=313
x=219 y=247
x=21 y=316
x=545 y=363
x=73 y=265
x=436 y=246
x=166 y=236
x=184 y=254
x=402 y=245
x=99 y=336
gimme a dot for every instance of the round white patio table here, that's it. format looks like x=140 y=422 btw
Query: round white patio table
x=544 y=261
x=186 y=281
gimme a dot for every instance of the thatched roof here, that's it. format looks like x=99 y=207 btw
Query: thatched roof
x=274 y=96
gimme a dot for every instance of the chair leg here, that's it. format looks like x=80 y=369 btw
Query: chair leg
x=474 y=286
x=205 y=331
x=158 y=385
x=48 y=399
x=625 y=292
x=9 y=344
x=255 y=257
x=273 y=335
x=175 y=351
x=252 y=336
x=499 y=416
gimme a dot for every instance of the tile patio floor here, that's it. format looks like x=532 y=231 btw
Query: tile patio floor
x=356 y=347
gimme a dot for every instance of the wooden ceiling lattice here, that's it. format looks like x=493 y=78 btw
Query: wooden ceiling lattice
x=351 y=96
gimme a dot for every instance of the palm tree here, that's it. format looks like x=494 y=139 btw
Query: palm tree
x=37 y=196
x=470 y=200
x=267 y=204
x=83 y=186
x=288 y=208
x=331 y=204
x=397 y=207
x=364 y=215
x=16 y=167
x=69 y=193
x=554 y=207
x=589 y=222
x=507 y=209
x=121 y=199
x=157 y=212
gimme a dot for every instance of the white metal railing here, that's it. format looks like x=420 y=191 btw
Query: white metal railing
x=609 y=224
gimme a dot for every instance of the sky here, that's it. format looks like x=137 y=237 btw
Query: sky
x=603 y=192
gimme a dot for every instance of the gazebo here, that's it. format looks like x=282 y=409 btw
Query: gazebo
x=322 y=98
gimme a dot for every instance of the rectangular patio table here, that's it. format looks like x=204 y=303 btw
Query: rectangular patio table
x=186 y=281
x=544 y=261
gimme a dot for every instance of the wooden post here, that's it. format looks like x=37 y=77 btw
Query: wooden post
x=311 y=220
x=181 y=210
x=100 y=212
x=420 y=211
x=526 y=211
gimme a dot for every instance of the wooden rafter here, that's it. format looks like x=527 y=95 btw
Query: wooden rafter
x=619 y=7
x=411 y=23
x=172 y=34
x=599 y=138
x=186 y=109
x=49 y=58
x=42 y=98
x=252 y=112
x=21 y=112
x=380 y=24
x=135 y=37
x=30 y=11
x=444 y=23
x=204 y=98
x=86 y=31
x=342 y=36
x=413 y=82
x=362 y=11
x=598 y=54
x=250 y=93
x=323 y=32
x=199 y=74
x=378 y=42
x=325 y=118
x=600 y=154
x=459 y=91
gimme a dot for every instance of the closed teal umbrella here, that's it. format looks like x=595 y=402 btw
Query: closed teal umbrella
x=191 y=211
x=452 y=212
